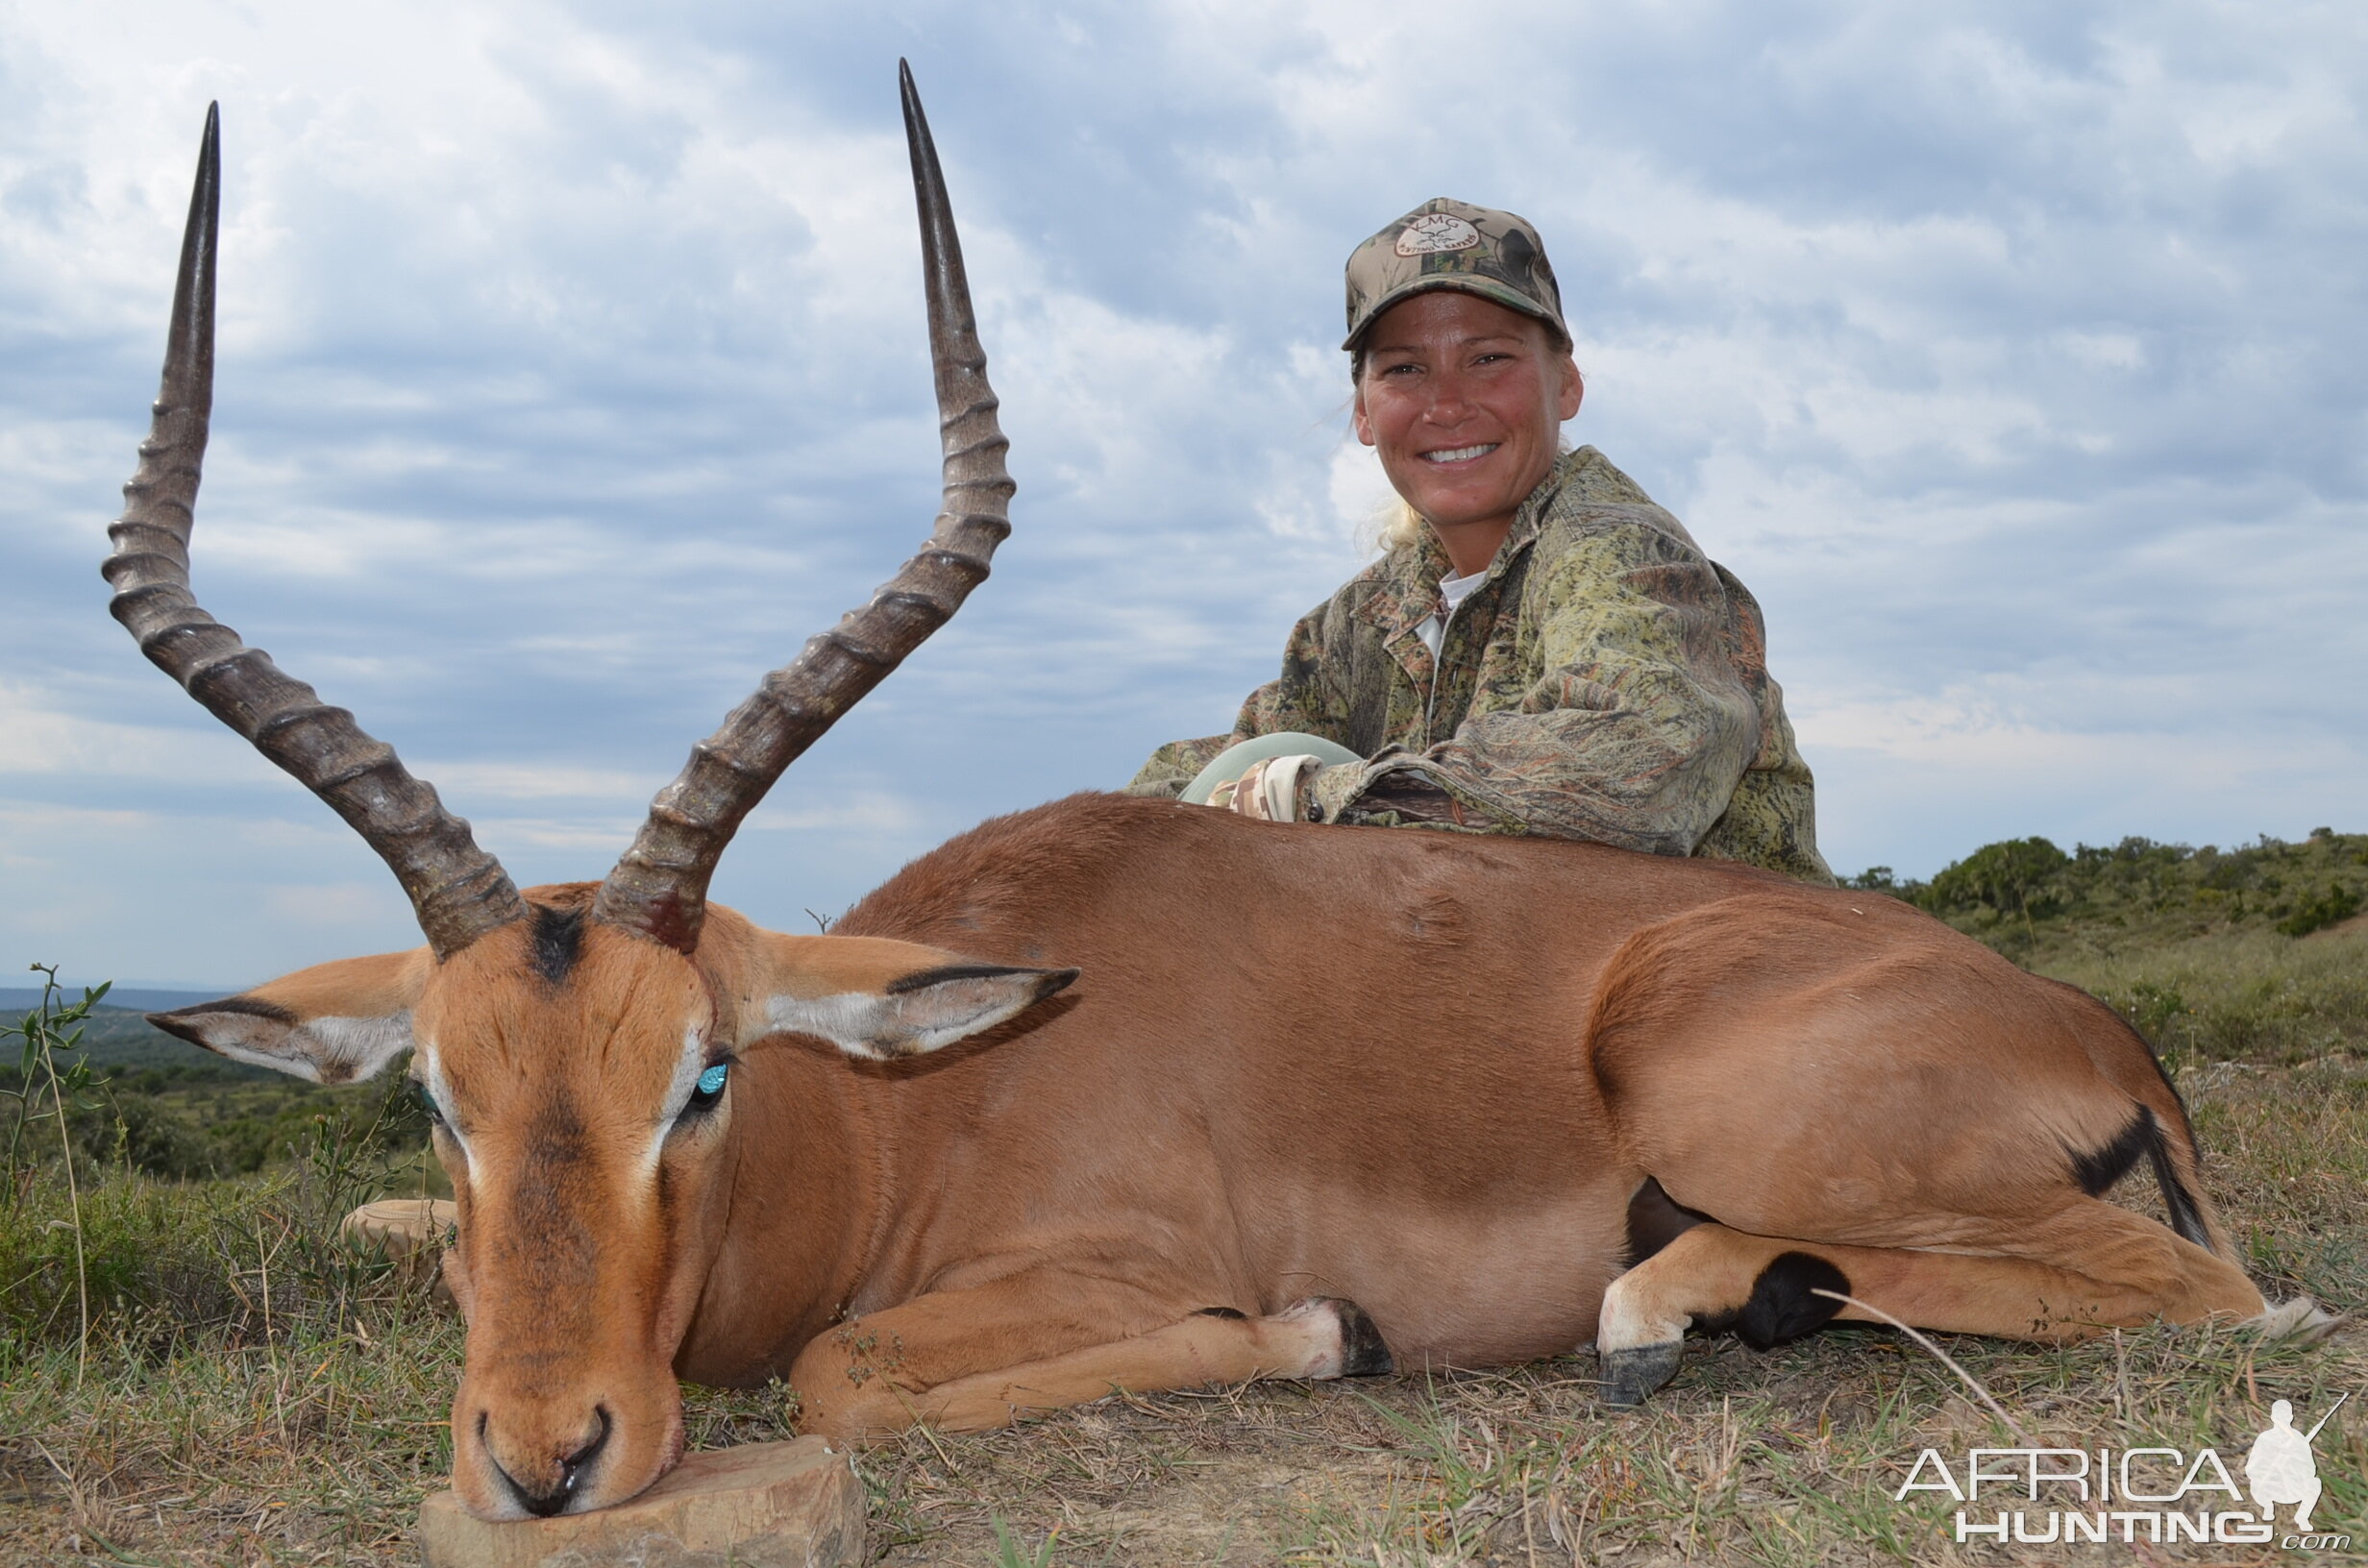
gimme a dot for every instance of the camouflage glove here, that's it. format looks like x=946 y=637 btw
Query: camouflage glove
x=1271 y=790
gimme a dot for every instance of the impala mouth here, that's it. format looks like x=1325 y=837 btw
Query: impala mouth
x=1459 y=454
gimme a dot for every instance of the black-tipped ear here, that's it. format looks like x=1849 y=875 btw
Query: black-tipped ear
x=920 y=1012
x=326 y=1051
x=332 y=1023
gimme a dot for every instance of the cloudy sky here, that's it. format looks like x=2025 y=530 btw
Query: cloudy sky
x=573 y=373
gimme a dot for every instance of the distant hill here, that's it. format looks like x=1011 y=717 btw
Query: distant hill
x=18 y=999
x=118 y=1038
x=2032 y=901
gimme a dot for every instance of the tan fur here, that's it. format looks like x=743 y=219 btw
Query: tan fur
x=1419 y=1073
x=813 y=966
x=371 y=987
x=871 y=1392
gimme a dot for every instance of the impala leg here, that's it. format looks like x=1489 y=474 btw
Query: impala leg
x=1321 y=1337
x=2089 y=1269
x=872 y=1377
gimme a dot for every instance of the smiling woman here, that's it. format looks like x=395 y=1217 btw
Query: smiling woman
x=1549 y=652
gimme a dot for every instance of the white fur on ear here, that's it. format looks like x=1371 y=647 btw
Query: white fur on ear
x=327 y=1050
x=919 y=1013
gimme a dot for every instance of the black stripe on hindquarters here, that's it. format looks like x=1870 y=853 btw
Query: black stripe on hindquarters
x=1784 y=1304
x=2098 y=1171
x=2153 y=1058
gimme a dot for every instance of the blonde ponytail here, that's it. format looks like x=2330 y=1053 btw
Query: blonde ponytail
x=1395 y=524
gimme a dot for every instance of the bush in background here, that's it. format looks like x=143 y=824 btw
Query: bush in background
x=2202 y=951
x=2147 y=888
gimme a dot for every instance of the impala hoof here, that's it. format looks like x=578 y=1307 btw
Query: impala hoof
x=1335 y=1338
x=1629 y=1375
x=1363 y=1355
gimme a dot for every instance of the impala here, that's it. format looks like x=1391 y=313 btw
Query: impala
x=1119 y=1093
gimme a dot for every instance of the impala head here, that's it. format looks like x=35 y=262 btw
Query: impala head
x=576 y=1044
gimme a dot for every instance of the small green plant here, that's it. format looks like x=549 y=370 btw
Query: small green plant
x=1009 y=1554
x=48 y=1092
x=341 y=1166
x=2151 y=1007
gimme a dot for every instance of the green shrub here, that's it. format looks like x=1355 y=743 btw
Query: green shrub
x=99 y=1231
x=2318 y=911
x=2029 y=900
x=164 y=1261
x=2016 y=876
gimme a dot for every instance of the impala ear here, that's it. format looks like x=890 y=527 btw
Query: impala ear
x=881 y=999
x=333 y=1023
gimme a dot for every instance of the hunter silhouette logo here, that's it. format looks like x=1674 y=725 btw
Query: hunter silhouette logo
x=2138 y=1494
x=2280 y=1468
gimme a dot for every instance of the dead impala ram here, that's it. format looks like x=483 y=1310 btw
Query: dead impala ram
x=1035 y=1121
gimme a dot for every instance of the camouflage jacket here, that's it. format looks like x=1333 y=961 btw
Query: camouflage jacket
x=1605 y=682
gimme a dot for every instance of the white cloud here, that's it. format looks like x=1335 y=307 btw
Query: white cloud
x=35 y=739
x=866 y=811
x=602 y=836
x=572 y=376
x=332 y=904
x=533 y=781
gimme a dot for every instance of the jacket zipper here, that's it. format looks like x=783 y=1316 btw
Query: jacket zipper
x=1438 y=664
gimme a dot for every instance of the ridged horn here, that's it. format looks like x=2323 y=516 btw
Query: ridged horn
x=659 y=888
x=459 y=890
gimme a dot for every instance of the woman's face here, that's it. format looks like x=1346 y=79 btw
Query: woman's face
x=1464 y=401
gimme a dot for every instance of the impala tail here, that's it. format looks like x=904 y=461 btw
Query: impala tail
x=2158 y=1132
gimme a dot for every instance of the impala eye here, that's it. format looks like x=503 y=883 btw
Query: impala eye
x=709 y=1088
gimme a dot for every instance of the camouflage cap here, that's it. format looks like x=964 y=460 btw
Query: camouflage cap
x=1451 y=244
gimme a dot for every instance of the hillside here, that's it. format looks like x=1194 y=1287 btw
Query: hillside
x=2026 y=895
x=121 y=1040
x=2257 y=952
x=163 y=1107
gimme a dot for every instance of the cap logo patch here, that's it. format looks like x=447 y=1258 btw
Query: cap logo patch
x=1437 y=232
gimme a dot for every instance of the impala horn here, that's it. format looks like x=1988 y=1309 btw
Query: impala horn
x=459 y=890
x=659 y=888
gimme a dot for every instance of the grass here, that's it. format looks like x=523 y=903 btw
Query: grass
x=254 y=1395
x=2246 y=996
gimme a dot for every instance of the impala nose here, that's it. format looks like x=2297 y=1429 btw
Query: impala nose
x=548 y=1488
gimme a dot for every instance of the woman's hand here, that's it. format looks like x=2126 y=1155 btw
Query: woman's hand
x=1271 y=790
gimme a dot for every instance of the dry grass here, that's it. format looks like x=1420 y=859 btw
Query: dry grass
x=2234 y=995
